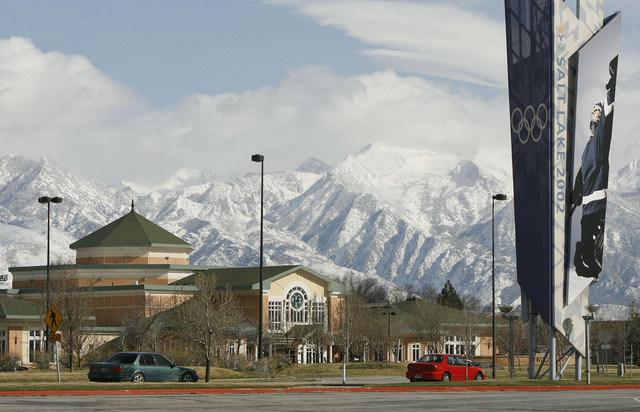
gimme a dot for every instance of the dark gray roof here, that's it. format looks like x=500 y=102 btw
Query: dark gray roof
x=131 y=229
x=249 y=277
x=14 y=308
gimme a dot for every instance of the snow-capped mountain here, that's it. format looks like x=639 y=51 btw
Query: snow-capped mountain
x=409 y=217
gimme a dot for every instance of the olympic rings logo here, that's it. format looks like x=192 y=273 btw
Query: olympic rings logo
x=530 y=123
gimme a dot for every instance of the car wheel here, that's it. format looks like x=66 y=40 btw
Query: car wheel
x=446 y=377
x=478 y=376
x=137 y=377
x=412 y=380
x=187 y=377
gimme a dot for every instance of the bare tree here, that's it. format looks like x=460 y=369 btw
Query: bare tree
x=143 y=325
x=349 y=323
x=369 y=289
x=468 y=326
x=520 y=339
x=428 y=322
x=634 y=329
x=621 y=331
x=74 y=304
x=208 y=318
x=595 y=342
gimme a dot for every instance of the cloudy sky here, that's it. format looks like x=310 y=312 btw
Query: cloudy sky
x=136 y=90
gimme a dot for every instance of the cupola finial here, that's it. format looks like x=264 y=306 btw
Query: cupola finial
x=132 y=206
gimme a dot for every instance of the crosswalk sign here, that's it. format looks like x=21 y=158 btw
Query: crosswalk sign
x=53 y=318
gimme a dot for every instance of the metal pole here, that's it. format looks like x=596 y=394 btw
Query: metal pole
x=495 y=197
x=48 y=252
x=48 y=200
x=389 y=352
x=532 y=340
x=493 y=290
x=553 y=358
x=260 y=313
x=258 y=158
x=587 y=349
x=578 y=366
x=511 y=366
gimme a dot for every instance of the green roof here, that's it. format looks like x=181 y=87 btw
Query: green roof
x=130 y=230
x=306 y=333
x=410 y=307
x=249 y=277
x=14 y=308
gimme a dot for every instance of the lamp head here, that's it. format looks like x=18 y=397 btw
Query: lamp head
x=47 y=199
x=505 y=308
x=500 y=196
x=258 y=158
x=592 y=308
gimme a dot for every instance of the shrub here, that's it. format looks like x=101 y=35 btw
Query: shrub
x=236 y=362
x=270 y=364
x=42 y=359
x=9 y=363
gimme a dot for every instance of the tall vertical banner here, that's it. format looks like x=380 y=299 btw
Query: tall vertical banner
x=562 y=75
x=529 y=57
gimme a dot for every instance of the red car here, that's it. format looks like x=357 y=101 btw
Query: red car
x=442 y=367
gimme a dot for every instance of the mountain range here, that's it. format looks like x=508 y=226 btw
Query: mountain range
x=409 y=218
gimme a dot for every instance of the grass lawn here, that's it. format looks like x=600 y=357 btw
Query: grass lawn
x=293 y=375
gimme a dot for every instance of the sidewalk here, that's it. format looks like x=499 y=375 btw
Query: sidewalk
x=320 y=385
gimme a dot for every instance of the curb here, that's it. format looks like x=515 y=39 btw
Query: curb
x=319 y=389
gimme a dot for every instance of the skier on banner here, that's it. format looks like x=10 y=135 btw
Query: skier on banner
x=590 y=188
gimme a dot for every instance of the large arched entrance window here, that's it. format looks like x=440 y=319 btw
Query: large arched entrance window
x=297 y=306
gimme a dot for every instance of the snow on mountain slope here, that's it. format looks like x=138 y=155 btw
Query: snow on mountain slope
x=406 y=216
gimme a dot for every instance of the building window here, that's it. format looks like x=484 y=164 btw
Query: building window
x=3 y=341
x=319 y=312
x=275 y=315
x=397 y=351
x=415 y=351
x=310 y=353
x=36 y=343
x=297 y=306
x=455 y=346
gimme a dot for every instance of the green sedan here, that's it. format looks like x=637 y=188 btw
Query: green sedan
x=139 y=367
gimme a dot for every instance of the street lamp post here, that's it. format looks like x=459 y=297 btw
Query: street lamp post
x=592 y=309
x=505 y=309
x=258 y=158
x=389 y=314
x=495 y=197
x=48 y=200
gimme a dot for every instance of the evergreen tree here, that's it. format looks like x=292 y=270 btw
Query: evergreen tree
x=449 y=297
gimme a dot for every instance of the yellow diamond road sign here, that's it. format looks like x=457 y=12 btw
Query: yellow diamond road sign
x=53 y=318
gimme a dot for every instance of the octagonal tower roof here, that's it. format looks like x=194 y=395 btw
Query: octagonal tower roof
x=131 y=230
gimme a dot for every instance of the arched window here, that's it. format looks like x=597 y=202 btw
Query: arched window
x=297 y=305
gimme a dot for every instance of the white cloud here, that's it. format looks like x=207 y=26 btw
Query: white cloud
x=55 y=105
x=63 y=107
x=436 y=39
x=464 y=40
x=314 y=112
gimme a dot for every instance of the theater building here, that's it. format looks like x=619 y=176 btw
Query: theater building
x=134 y=264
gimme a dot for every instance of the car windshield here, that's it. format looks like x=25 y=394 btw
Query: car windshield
x=431 y=359
x=122 y=357
x=161 y=360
